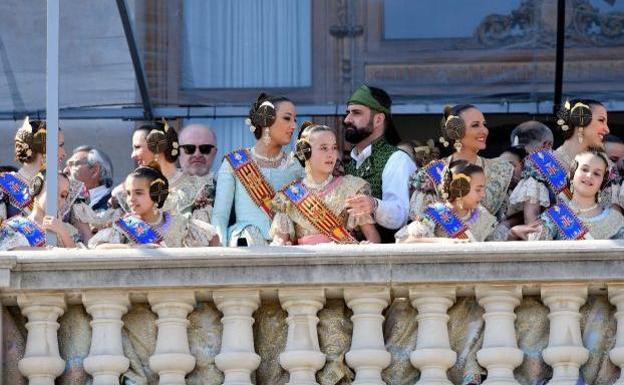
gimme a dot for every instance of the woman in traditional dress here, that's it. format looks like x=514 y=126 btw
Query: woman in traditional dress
x=146 y=193
x=248 y=178
x=30 y=149
x=459 y=216
x=463 y=125
x=23 y=232
x=544 y=180
x=312 y=210
x=582 y=217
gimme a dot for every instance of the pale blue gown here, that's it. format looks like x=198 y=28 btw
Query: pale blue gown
x=251 y=222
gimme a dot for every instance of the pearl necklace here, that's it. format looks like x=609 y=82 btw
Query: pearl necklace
x=270 y=161
x=311 y=184
x=580 y=210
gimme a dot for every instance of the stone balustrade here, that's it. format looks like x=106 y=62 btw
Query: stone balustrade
x=502 y=313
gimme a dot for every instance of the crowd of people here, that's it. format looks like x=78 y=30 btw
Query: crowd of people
x=383 y=191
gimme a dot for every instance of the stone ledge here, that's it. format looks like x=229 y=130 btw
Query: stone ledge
x=396 y=266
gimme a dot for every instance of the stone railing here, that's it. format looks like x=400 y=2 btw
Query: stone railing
x=406 y=305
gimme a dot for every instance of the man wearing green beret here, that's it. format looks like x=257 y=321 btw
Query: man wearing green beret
x=375 y=158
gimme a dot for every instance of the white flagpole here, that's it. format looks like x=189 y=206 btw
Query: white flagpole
x=52 y=109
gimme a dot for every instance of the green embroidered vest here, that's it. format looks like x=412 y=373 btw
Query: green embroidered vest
x=373 y=166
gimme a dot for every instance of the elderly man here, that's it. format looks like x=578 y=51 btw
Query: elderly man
x=93 y=168
x=375 y=158
x=532 y=136
x=198 y=149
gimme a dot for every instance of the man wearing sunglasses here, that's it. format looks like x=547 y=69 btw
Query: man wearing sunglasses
x=197 y=149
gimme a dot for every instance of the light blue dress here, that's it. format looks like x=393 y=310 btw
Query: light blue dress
x=251 y=222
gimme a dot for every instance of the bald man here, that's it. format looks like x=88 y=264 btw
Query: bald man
x=198 y=149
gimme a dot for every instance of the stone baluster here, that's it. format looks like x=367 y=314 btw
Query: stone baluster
x=106 y=360
x=565 y=351
x=499 y=353
x=616 y=296
x=302 y=356
x=433 y=355
x=42 y=362
x=368 y=355
x=237 y=358
x=172 y=358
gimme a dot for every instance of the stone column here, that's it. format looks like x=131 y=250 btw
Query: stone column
x=565 y=351
x=106 y=360
x=433 y=355
x=499 y=353
x=616 y=296
x=368 y=355
x=302 y=356
x=237 y=358
x=172 y=358
x=42 y=362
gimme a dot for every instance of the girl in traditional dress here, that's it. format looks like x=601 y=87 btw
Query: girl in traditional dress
x=19 y=232
x=248 y=178
x=146 y=224
x=30 y=149
x=544 y=180
x=312 y=210
x=582 y=217
x=465 y=128
x=459 y=216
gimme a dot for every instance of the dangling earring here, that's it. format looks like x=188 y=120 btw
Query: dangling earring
x=308 y=169
x=580 y=134
x=266 y=136
x=457 y=145
x=460 y=203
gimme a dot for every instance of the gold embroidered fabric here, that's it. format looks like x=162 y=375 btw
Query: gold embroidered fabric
x=270 y=334
x=84 y=213
x=498 y=174
x=183 y=231
x=334 y=333
x=400 y=331
x=183 y=191
x=288 y=219
x=425 y=227
x=74 y=336
x=609 y=224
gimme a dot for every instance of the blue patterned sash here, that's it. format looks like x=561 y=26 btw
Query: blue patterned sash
x=139 y=231
x=551 y=170
x=445 y=218
x=434 y=171
x=15 y=189
x=568 y=224
x=35 y=235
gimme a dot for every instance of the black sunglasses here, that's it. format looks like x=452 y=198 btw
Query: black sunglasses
x=204 y=149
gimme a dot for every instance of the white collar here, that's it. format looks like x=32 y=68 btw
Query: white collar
x=97 y=193
x=362 y=156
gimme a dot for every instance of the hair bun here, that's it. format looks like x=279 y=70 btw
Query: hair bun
x=157 y=142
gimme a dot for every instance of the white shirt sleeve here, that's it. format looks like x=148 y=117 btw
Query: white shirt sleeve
x=393 y=208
